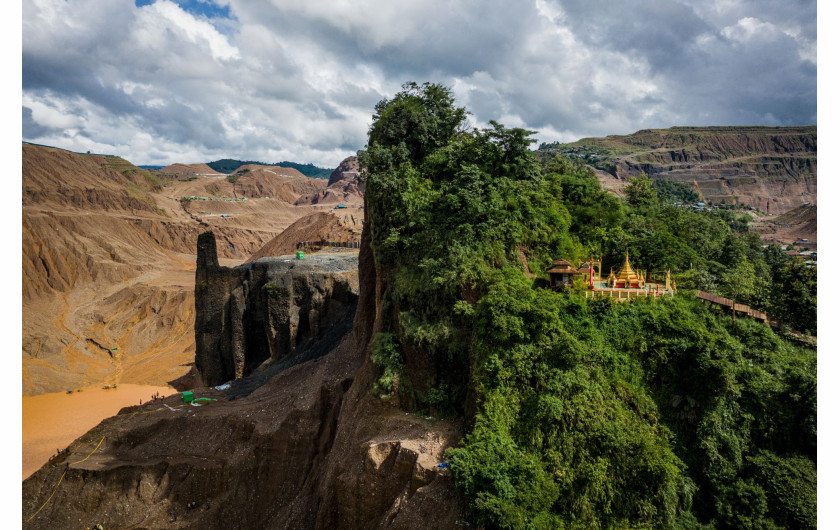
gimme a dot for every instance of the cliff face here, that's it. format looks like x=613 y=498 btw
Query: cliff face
x=345 y=186
x=271 y=308
x=308 y=448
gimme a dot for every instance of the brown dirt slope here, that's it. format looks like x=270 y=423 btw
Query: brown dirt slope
x=772 y=169
x=287 y=184
x=798 y=223
x=273 y=170
x=103 y=242
x=190 y=169
x=318 y=226
x=81 y=182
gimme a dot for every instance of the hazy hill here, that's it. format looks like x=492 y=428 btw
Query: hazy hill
x=773 y=169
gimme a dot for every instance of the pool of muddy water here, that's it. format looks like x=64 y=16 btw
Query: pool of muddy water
x=53 y=421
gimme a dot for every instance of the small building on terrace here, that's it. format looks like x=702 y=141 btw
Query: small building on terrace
x=627 y=284
x=562 y=273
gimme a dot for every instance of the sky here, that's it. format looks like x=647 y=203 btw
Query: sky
x=163 y=81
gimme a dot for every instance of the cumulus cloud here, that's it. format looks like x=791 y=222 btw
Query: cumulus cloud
x=160 y=81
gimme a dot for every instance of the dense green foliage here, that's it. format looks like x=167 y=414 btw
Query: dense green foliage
x=672 y=191
x=229 y=165
x=711 y=251
x=583 y=413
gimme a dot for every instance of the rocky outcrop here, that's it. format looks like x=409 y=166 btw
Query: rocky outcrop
x=345 y=186
x=271 y=308
x=309 y=448
x=348 y=169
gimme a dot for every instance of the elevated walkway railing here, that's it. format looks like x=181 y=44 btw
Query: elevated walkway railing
x=739 y=308
x=329 y=244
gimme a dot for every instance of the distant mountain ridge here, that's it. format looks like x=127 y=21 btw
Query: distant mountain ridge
x=773 y=169
x=229 y=165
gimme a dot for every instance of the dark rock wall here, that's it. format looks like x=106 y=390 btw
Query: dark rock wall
x=272 y=308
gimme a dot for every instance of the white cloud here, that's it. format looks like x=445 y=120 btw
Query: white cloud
x=193 y=30
x=299 y=80
x=749 y=28
x=52 y=114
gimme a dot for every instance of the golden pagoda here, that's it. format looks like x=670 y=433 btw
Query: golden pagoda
x=627 y=277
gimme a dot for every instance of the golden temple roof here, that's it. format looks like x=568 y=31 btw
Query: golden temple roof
x=627 y=273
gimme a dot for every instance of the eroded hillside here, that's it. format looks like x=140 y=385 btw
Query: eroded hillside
x=772 y=169
x=307 y=446
x=109 y=260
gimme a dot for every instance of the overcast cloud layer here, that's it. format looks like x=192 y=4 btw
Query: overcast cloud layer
x=193 y=81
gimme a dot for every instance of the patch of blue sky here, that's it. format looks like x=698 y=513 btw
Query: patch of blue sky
x=204 y=8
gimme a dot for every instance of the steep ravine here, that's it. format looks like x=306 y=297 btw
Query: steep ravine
x=309 y=448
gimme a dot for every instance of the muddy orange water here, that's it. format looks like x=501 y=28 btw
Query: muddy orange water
x=53 y=421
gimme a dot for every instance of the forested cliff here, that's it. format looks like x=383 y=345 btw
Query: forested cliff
x=582 y=412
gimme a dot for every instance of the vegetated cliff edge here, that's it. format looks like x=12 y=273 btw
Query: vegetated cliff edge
x=773 y=169
x=310 y=448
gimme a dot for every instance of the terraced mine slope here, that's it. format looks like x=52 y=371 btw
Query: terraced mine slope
x=772 y=169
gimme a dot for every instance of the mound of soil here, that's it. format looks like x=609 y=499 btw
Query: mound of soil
x=315 y=227
x=273 y=170
x=798 y=223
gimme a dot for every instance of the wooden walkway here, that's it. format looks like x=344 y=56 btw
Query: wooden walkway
x=807 y=340
x=739 y=308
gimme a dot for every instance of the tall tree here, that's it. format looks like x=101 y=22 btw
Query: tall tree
x=640 y=191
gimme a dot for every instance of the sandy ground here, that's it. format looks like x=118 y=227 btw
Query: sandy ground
x=53 y=421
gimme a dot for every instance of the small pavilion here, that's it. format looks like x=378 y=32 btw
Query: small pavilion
x=562 y=273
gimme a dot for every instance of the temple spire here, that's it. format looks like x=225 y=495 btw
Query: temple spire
x=627 y=273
